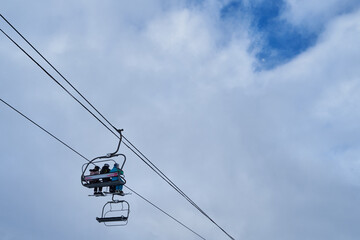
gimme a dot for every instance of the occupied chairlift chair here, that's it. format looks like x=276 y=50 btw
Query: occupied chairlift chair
x=94 y=181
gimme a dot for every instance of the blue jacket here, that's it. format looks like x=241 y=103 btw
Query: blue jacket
x=115 y=169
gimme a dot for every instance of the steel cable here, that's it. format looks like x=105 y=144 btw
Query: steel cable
x=137 y=152
x=82 y=156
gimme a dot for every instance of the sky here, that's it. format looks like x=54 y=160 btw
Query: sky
x=250 y=107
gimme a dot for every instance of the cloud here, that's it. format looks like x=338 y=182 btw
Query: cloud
x=270 y=154
x=315 y=14
x=274 y=40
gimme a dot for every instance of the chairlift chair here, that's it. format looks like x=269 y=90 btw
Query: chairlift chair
x=115 y=213
x=95 y=181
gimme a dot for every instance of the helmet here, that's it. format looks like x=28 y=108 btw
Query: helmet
x=116 y=165
x=97 y=168
x=106 y=165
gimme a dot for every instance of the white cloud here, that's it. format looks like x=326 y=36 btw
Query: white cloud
x=182 y=32
x=340 y=101
x=315 y=14
x=254 y=150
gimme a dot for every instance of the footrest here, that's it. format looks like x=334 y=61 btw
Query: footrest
x=111 y=219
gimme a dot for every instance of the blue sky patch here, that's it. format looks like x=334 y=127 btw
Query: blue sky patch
x=277 y=41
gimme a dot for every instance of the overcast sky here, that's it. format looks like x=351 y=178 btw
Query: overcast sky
x=251 y=107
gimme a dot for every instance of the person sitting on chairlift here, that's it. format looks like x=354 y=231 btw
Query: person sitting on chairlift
x=118 y=188
x=105 y=169
x=95 y=171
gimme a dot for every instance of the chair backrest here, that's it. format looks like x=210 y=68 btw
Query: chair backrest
x=99 y=176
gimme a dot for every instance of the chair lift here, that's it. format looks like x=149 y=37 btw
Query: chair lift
x=115 y=213
x=94 y=181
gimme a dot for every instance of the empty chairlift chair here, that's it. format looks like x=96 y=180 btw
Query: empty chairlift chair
x=115 y=213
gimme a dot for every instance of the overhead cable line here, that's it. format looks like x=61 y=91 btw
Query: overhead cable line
x=82 y=156
x=68 y=82
x=162 y=175
x=52 y=135
x=54 y=79
x=129 y=145
x=162 y=211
